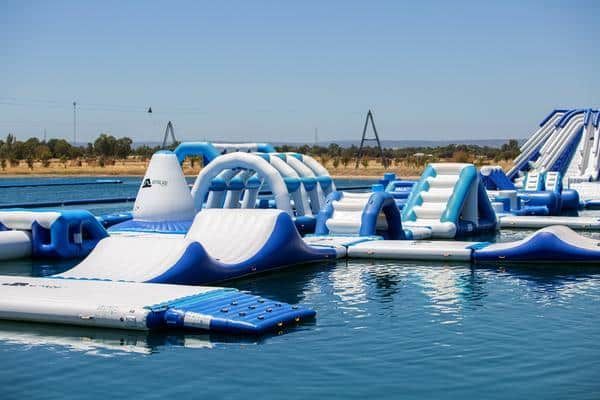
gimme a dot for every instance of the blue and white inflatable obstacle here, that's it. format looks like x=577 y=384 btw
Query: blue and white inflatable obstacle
x=360 y=214
x=141 y=306
x=449 y=200
x=551 y=244
x=548 y=245
x=221 y=244
x=541 y=194
x=48 y=234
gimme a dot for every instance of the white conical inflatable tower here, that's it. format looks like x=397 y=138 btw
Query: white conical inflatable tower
x=164 y=194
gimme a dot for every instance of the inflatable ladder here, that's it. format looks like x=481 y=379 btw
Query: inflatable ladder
x=449 y=199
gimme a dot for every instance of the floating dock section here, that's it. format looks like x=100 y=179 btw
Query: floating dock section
x=140 y=306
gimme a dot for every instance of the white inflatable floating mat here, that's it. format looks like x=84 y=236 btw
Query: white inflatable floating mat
x=413 y=250
x=143 y=306
x=537 y=222
x=339 y=243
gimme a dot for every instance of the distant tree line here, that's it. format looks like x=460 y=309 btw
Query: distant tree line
x=107 y=148
x=104 y=149
x=452 y=152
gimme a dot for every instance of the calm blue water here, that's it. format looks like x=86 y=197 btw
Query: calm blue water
x=383 y=330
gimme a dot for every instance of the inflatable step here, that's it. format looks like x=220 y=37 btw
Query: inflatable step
x=143 y=306
x=436 y=195
x=430 y=210
x=350 y=205
x=442 y=181
x=449 y=168
x=343 y=226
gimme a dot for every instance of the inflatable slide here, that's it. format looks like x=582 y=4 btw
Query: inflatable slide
x=221 y=244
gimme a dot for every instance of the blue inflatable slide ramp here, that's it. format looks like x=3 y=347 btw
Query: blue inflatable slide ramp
x=143 y=306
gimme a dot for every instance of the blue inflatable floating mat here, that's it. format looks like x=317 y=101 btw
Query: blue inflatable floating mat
x=143 y=306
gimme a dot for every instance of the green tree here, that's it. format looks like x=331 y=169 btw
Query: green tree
x=105 y=145
x=123 y=147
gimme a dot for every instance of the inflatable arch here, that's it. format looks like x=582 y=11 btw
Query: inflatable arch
x=308 y=178
x=209 y=151
x=206 y=150
x=293 y=183
x=237 y=161
x=225 y=148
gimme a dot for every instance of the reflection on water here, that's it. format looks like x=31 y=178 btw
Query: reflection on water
x=109 y=342
x=36 y=267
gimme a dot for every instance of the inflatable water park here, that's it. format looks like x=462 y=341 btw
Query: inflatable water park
x=166 y=263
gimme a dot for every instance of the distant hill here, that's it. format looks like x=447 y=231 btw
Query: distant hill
x=384 y=143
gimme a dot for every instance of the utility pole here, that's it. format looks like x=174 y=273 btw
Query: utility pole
x=371 y=139
x=74 y=122
x=44 y=135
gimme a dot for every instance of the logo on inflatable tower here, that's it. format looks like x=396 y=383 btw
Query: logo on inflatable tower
x=149 y=182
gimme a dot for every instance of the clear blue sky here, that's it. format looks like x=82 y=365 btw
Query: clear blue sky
x=273 y=71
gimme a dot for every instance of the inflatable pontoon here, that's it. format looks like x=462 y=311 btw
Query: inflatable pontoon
x=140 y=306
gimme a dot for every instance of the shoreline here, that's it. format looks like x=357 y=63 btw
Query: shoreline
x=131 y=175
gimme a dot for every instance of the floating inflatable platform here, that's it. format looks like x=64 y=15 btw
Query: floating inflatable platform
x=537 y=222
x=551 y=244
x=141 y=306
x=413 y=250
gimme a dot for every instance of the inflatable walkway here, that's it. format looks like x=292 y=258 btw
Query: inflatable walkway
x=140 y=306
x=548 y=245
x=221 y=244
